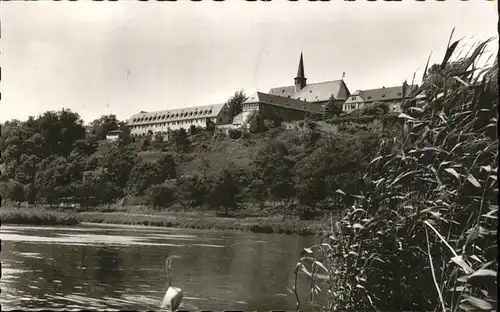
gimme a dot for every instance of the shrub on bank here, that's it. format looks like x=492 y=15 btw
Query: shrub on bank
x=36 y=216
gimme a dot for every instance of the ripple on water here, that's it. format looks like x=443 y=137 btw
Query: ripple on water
x=10 y=273
x=208 y=245
x=84 y=240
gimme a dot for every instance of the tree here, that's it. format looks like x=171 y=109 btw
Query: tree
x=256 y=123
x=17 y=194
x=181 y=140
x=60 y=130
x=191 y=190
x=142 y=176
x=234 y=103
x=99 y=185
x=204 y=167
x=30 y=192
x=332 y=109
x=124 y=138
x=85 y=147
x=145 y=144
x=13 y=191
x=210 y=126
x=119 y=163
x=101 y=126
x=194 y=130
x=158 y=141
x=276 y=169
x=108 y=192
x=224 y=192
x=53 y=178
x=166 y=167
x=160 y=195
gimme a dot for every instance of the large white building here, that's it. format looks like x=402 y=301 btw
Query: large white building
x=145 y=123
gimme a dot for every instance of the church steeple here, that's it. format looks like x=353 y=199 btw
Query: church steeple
x=300 y=80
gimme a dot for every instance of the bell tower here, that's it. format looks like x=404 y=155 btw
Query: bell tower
x=300 y=80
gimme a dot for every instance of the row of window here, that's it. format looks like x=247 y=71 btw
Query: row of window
x=350 y=106
x=369 y=97
x=176 y=115
x=250 y=107
x=174 y=123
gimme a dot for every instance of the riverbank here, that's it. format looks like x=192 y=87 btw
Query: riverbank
x=257 y=225
x=36 y=216
x=272 y=225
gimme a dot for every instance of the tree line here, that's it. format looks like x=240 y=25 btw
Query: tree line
x=54 y=157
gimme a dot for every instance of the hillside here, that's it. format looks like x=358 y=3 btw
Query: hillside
x=217 y=153
x=289 y=169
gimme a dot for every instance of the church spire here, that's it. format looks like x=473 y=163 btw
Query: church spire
x=300 y=80
x=300 y=72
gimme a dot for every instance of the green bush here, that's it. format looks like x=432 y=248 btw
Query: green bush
x=235 y=133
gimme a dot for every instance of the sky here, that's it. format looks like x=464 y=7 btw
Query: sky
x=122 y=57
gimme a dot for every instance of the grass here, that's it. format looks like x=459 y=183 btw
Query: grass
x=36 y=216
x=203 y=222
x=136 y=216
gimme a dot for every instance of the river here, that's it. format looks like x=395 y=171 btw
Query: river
x=123 y=267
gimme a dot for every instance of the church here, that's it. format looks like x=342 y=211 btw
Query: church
x=318 y=93
x=294 y=102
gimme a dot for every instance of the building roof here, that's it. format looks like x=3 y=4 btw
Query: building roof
x=205 y=111
x=285 y=102
x=382 y=94
x=114 y=132
x=315 y=92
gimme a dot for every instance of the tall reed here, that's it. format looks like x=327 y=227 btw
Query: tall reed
x=423 y=235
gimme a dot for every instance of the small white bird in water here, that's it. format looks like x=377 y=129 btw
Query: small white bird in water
x=173 y=296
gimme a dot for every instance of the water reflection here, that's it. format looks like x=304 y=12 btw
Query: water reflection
x=124 y=268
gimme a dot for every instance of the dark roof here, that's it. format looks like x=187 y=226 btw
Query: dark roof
x=280 y=101
x=383 y=94
x=114 y=132
x=206 y=111
x=315 y=92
